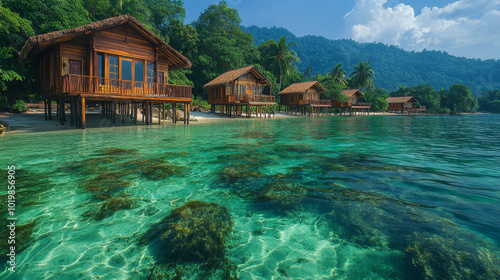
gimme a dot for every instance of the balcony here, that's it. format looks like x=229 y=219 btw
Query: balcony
x=244 y=99
x=316 y=102
x=79 y=84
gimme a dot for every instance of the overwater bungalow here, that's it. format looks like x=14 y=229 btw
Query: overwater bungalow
x=405 y=105
x=240 y=88
x=304 y=98
x=117 y=63
x=353 y=104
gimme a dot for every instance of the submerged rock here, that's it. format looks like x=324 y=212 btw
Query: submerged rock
x=437 y=257
x=23 y=238
x=285 y=195
x=90 y=166
x=162 y=171
x=117 y=152
x=194 y=232
x=111 y=206
x=105 y=188
x=190 y=242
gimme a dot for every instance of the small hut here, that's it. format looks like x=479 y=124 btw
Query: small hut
x=404 y=105
x=304 y=98
x=240 y=88
x=117 y=63
x=353 y=104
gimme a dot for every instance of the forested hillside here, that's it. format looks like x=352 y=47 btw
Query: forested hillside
x=393 y=66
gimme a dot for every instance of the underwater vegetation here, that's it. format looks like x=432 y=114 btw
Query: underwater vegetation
x=116 y=152
x=438 y=257
x=191 y=235
x=196 y=231
x=23 y=236
x=32 y=188
x=110 y=206
x=90 y=166
x=105 y=188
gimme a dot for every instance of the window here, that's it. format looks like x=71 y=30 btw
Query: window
x=113 y=67
x=100 y=68
x=138 y=73
x=150 y=72
x=126 y=70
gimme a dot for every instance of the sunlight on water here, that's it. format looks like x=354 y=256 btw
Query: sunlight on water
x=301 y=198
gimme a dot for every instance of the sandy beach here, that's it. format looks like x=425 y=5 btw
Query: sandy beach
x=34 y=121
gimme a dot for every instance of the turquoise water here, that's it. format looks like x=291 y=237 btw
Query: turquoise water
x=368 y=197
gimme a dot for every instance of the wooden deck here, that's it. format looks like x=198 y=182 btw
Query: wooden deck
x=95 y=88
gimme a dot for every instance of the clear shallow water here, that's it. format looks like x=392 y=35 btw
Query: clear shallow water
x=310 y=198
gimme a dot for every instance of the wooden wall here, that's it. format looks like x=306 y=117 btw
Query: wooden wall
x=124 y=41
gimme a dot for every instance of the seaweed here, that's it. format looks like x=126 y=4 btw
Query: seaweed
x=111 y=206
x=116 y=152
x=90 y=166
x=194 y=232
x=162 y=171
x=23 y=238
x=438 y=257
x=105 y=188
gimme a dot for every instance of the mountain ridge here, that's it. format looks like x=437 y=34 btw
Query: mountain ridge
x=393 y=66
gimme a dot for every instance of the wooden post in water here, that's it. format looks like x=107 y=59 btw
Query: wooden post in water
x=49 y=107
x=83 y=112
x=45 y=108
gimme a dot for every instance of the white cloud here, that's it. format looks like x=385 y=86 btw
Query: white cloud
x=466 y=27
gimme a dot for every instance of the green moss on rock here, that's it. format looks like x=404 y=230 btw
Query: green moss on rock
x=194 y=232
x=111 y=206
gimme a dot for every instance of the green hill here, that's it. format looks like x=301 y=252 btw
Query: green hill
x=393 y=66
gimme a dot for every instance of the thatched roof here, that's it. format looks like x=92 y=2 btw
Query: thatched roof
x=44 y=40
x=302 y=87
x=232 y=75
x=351 y=92
x=402 y=99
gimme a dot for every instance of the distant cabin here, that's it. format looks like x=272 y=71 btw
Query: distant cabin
x=238 y=89
x=353 y=104
x=405 y=104
x=304 y=97
x=116 y=62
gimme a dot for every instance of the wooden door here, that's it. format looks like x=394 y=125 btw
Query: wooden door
x=76 y=82
x=161 y=81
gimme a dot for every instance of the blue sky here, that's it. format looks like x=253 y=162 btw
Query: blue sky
x=469 y=28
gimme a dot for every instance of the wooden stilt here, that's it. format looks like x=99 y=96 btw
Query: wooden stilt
x=49 y=107
x=123 y=112
x=83 y=112
x=188 y=112
x=185 y=113
x=72 y=112
x=45 y=108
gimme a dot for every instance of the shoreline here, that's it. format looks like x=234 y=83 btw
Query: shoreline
x=34 y=120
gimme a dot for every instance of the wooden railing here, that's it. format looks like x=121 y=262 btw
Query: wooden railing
x=78 y=84
x=361 y=104
x=316 y=102
x=260 y=98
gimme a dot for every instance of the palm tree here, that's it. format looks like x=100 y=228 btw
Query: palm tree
x=338 y=74
x=308 y=72
x=282 y=59
x=363 y=75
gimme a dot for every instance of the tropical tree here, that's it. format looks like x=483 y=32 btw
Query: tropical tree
x=363 y=75
x=338 y=75
x=308 y=72
x=282 y=60
x=459 y=99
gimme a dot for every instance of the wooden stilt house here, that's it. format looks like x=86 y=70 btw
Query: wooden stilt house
x=117 y=63
x=238 y=91
x=304 y=98
x=405 y=105
x=353 y=104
